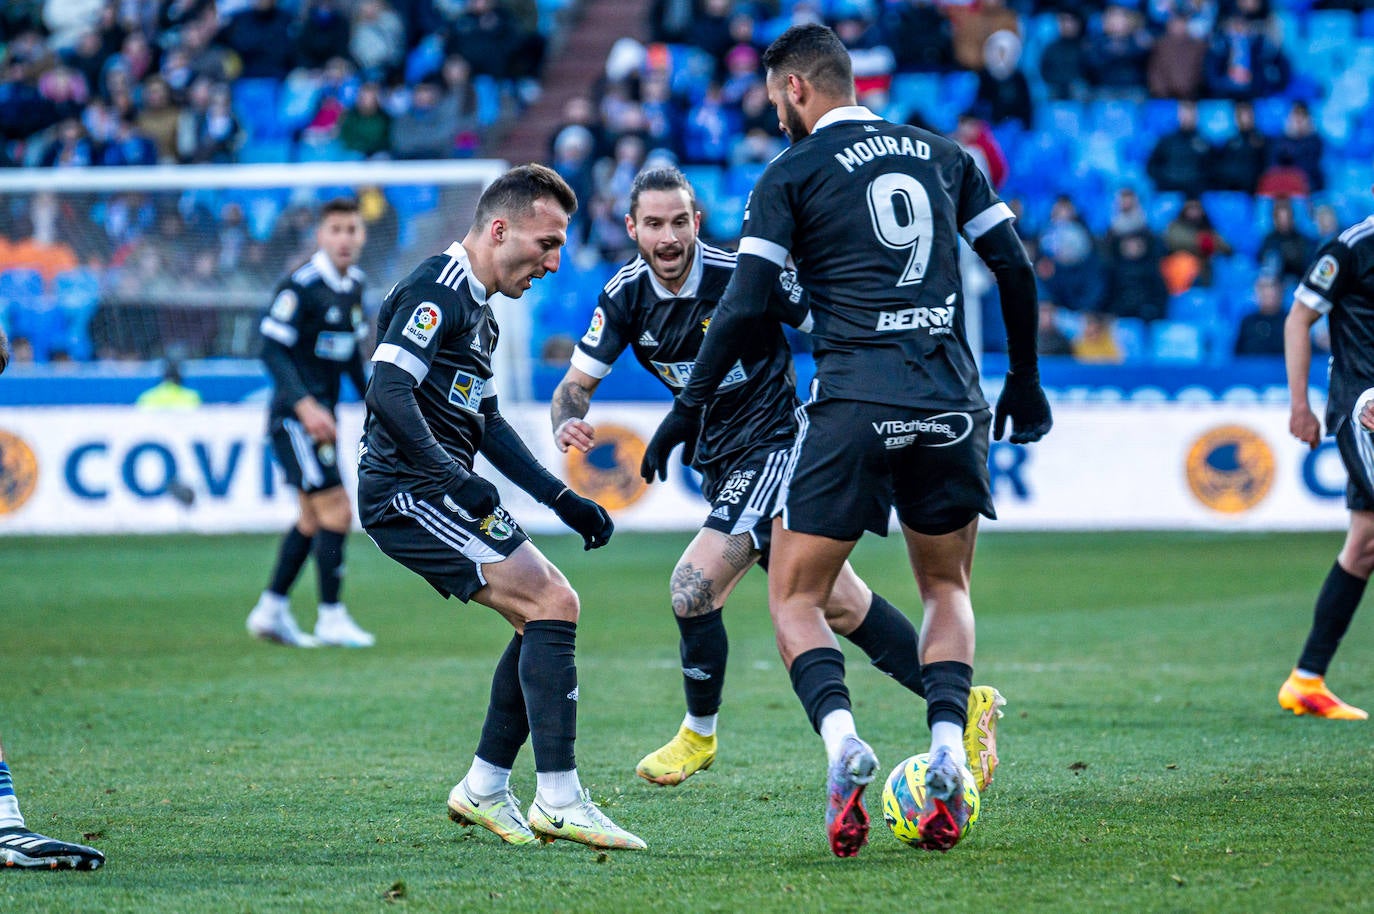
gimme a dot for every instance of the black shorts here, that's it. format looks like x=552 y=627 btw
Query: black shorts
x=309 y=465
x=442 y=543
x=743 y=497
x=1356 y=445
x=854 y=461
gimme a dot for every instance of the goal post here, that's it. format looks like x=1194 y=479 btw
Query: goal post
x=178 y=261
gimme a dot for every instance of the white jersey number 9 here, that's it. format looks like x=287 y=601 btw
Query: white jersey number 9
x=900 y=209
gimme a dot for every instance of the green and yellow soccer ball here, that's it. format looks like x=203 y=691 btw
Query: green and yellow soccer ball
x=905 y=793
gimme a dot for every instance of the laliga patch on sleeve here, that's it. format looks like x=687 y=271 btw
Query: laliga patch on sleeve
x=593 y=335
x=423 y=322
x=1324 y=273
x=284 y=306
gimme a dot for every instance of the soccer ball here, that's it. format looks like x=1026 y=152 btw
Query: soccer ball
x=905 y=793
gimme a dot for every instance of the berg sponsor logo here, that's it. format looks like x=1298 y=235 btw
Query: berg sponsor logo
x=936 y=320
x=932 y=431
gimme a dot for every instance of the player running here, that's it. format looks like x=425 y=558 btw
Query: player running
x=310 y=339
x=660 y=304
x=432 y=407
x=1339 y=285
x=870 y=212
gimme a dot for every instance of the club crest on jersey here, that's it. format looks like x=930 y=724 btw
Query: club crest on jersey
x=593 y=335
x=284 y=305
x=466 y=392
x=333 y=315
x=424 y=321
x=705 y=324
x=493 y=527
x=1324 y=273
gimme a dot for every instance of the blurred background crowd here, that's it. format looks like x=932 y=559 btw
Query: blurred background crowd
x=1174 y=163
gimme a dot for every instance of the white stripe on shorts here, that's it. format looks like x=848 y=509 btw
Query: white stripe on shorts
x=304 y=448
x=1364 y=439
x=760 y=504
x=445 y=530
x=803 y=423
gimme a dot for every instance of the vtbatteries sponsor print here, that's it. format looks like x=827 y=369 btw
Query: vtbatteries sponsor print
x=932 y=431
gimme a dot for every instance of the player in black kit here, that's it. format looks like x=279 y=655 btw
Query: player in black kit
x=310 y=339
x=660 y=305
x=432 y=407
x=870 y=213
x=1339 y=285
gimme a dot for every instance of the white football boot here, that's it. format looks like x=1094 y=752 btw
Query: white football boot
x=271 y=620
x=334 y=626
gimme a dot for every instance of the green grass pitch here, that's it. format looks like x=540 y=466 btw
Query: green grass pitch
x=1146 y=765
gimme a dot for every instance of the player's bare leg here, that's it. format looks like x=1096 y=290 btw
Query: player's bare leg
x=332 y=510
x=802 y=573
x=943 y=565
x=703 y=580
x=20 y=847
x=1305 y=691
x=539 y=670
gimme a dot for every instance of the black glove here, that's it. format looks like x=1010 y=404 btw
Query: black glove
x=1024 y=402
x=681 y=426
x=584 y=516
x=476 y=496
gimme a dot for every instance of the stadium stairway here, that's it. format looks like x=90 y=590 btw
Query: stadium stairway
x=571 y=70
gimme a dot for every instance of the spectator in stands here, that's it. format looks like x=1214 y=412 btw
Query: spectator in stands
x=972 y=23
x=1134 y=284
x=1243 y=63
x=157 y=117
x=70 y=146
x=366 y=127
x=1064 y=62
x=856 y=25
x=1073 y=274
x=87 y=57
x=1327 y=221
x=23 y=111
x=661 y=114
x=487 y=35
x=741 y=73
x=208 y=131
x=37 y=247
x=580 y=111
x=1175 y=66
x=710 y=28
x=1003 y=92
x=334 y=96
x=573 y=158
x=262 y=38
x=324 y=31
x=710 y=129
x=173 y=16
x=1192 y=234
x=171 y=393
x=671 y=21
x=65 y=89
x=429 y=127
x=1302 y=146
x=615 y=177
x=1179 y=160
x=1285 y=253
x=920 y=36
x=1096 y=343
x=1051 y=340
x=1118 y=54
x=135 y=58
x=378 y=44
x=1283 y=178
x=1242 y=158
x=129 y=146
x=1261 y=331
x=977 y=139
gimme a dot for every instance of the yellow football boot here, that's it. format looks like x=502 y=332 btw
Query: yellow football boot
x=1304 y=695
x=980 y=733
x=683 y=756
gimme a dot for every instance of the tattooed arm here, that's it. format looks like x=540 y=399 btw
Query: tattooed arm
x=571 y=401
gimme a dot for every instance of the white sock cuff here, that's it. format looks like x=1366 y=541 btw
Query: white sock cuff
x=701 y=726
x=835 y=726
x=950 y=735
x=485 y=779
x=559 y=788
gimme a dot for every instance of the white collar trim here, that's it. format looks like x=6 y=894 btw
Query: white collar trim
x=330 y=275
x=689 y=288
x=845 y=113
x=478 y=290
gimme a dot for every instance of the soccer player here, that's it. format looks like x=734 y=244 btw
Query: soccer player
x=432 y=407
x=660 y=304
x=1338 y=284
x=310 y=339
x=870 y=213
x=19 y=846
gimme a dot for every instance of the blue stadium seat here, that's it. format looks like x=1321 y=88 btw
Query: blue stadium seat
x=706 y=181
x=22 y=285
x=488 y=99
x=1331 y=26
x=1063 y=118
x=255 y=103
x=915 y=91
x=1158 y=116
x=1232 y=213
x=1176 y=342
x=1366 y=25
x=1131 y=335
x=692 y=70
x=1196 y=306
x=1270 y=113
x=267 y=151
x=1215 y=119
x=959 y=89
x=1162 y=208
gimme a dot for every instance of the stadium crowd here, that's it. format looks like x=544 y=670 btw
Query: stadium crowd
x=1170 y=160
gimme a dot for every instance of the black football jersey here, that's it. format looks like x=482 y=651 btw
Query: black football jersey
x=870 y=213
x=1340 y=284
x=317 y=314
x=437 y=326
x=754 y=403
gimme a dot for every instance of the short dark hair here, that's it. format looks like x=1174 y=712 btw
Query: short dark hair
x=348 y=206
x=665 y=178
x=815 y=53
x=515 y=192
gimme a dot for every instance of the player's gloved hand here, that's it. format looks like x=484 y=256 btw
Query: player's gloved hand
x=476 y=496
x=681 y=426
x=1023 y=400
x=585 y=517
